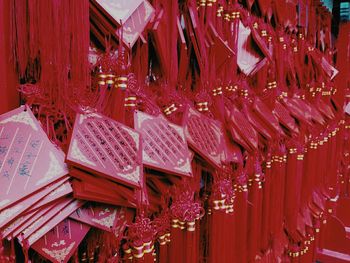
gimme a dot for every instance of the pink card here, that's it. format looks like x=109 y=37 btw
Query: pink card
x=136 y=23
x=249 y=59
x=164 y=144
x=17 y=223
x=55 y=194
x=29 y=161
x=16 y=228
x=39 y=222
x=106 y=217
x=204 y=135
x=133 y=16
x=60 y=243
x=104 y=146
x=118 y=11
x=10 y=213
x=64 y=213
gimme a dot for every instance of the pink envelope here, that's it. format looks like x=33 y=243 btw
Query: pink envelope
x=6 y=231
x=132 y=16
x=101 y=145
x=204 y=135
x=16 y=228
x=249 y=59
x=60 y=243
x=55 y=194
x=64 y=213
x=39 y=222
x=106 y=217
x=118 y=11
x=29 y=161
x=164 y=144
x=12 y=212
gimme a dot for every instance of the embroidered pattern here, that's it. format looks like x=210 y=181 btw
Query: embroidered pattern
x=38 y=234
x=134 y=176
x=16 y=223
x=55 y=169
x=9 y=212
x=78 y=155
x=183 y=166
x=4 y=202
x=60 y=254
x=89 y=115
x=22 y=117
x=58 y=190
x=107 y=221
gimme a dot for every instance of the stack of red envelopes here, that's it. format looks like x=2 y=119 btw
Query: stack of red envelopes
x=106 y=160
x=164 y=149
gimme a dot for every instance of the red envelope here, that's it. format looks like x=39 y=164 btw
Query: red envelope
x=267 y=117
x=296 y=111
x=122 y=191
x=106 y=217
x=60 y=243
x=256 y=123
x=244 y=128
x=64 y=213
x=205 y=136
x=183 y=54
x=86 y=191
x=222 y=52
x=29 y=161
x=101 y=145
x=164 y=144
x=159 y=29
x=285 y=118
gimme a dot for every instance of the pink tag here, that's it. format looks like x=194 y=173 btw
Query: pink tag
x=37 y=224
x=17 y=226
x=64 y=213
x=104 y=146
x=60 y=243
x=106 y=217
x=248 y=58
x=133 y=16
x=204 y=135
x=55 y=194
x=10 y=213
x=28 y=160
x=119 y=10
x=164 y=144
x=347 y=108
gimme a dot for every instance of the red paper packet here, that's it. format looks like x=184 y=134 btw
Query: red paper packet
x=60 y=243
x=164 y=144
x=64 y=213
x=204 y=135
x=101 y=145
x=106 y=217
